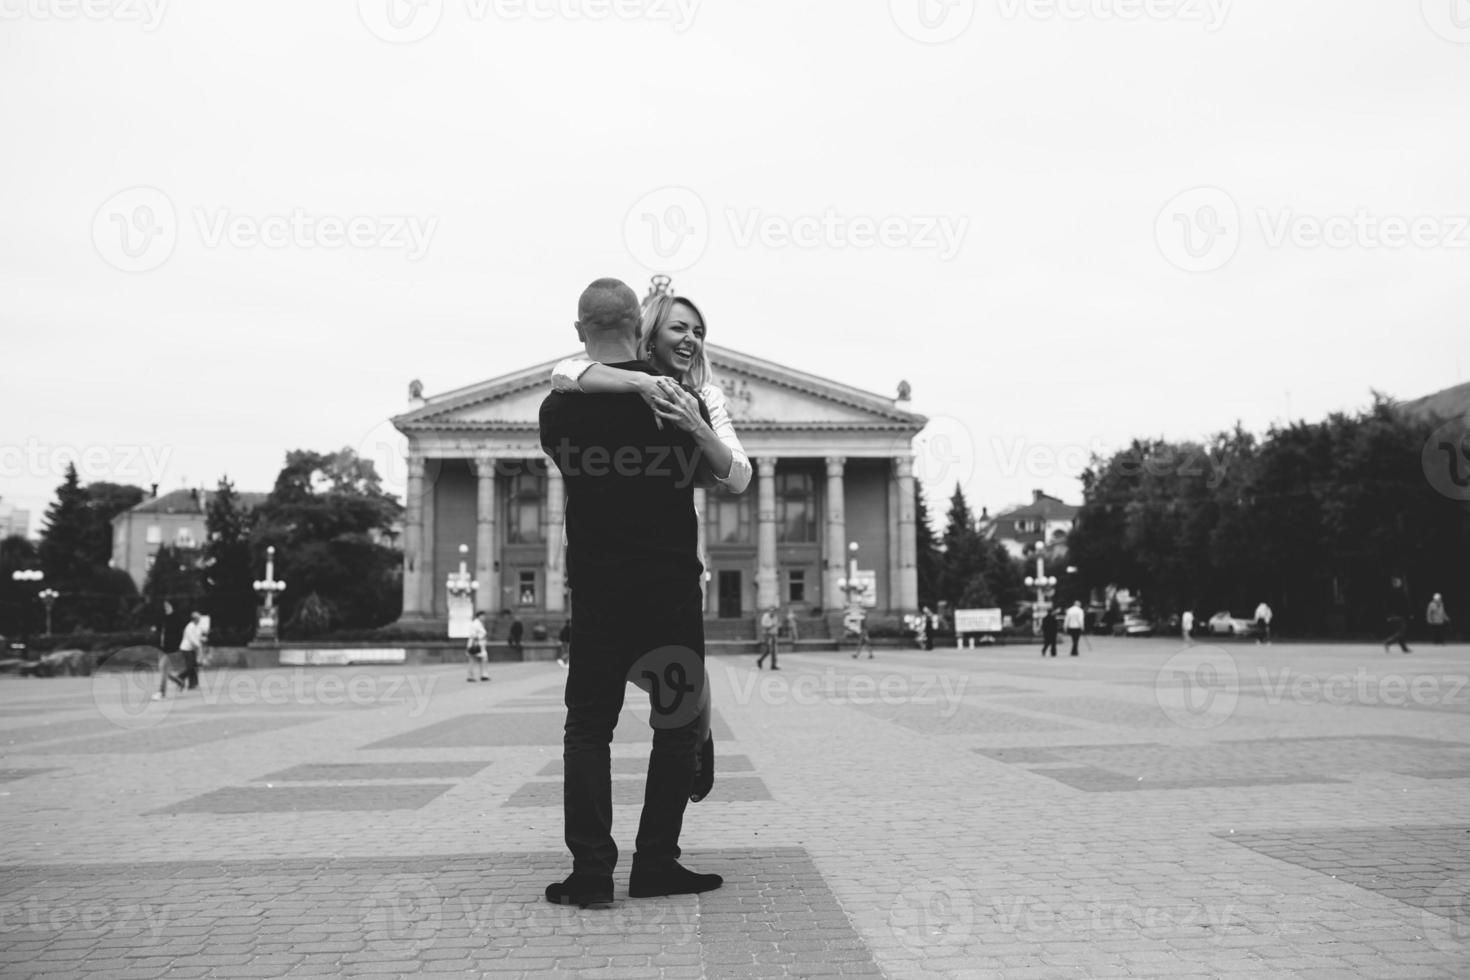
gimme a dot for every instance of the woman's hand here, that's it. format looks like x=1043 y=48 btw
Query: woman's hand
x=671 y=403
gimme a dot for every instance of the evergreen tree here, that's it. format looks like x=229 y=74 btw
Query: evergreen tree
x=66 y=554
x=230 y=598
x=928 y=558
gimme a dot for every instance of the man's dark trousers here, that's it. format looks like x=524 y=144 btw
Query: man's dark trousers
x=609 y=635
x=1076 y=635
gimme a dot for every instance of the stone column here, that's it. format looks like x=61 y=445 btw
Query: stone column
x=765 y=539
x=426 y=552
x=701 y=508
x=413 y=540
x=486 y=546
x=556 y=545
x=908 y=542
x=835 y=553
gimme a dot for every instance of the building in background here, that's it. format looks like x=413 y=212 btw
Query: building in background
x=833 y=466
x=1046 y=520
x=176 y=519
x=14 y=521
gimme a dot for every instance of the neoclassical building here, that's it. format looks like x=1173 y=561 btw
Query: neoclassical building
x=833 y=467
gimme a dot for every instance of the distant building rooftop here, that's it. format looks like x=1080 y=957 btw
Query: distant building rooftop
x=193 y=501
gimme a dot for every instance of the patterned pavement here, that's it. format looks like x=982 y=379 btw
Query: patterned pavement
x=1222 y=811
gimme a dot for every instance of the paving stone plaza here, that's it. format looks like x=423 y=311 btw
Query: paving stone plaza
x=1292 y=810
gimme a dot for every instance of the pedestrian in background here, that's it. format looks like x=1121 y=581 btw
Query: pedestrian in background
x=1075 y=622
x=1437 y=619
x=1398 y=617
x=517 y=637
x=190 y=647
x=769 y=628
x=856 y=624
x=1263 y=623
x=1049 y=631
x=791 y=629
x=1186 y=626
x=564 y=640
x=475 y=649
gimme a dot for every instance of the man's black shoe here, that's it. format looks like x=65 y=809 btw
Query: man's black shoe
x=674 y=880
x=704 y=776
x=581 y=890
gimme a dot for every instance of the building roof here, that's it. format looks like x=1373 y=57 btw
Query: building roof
x=1043 y=506
x=186 y=500
x=1450 y=403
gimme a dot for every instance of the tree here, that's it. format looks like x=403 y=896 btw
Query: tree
x=66 y=552
x=230 y=597
x=928 y=556
x=17 y=553
x=104 y=502
x=326 y=517
x=173 y=589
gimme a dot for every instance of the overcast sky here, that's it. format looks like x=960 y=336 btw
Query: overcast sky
x=229 y=229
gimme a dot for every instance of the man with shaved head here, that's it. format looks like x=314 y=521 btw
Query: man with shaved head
x=637 y=609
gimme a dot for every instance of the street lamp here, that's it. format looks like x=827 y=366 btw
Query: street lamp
x=19 y=577
x=851 y=584
x=459 y=583
x=269 y=587
x=48 y=597
x=1043 y=584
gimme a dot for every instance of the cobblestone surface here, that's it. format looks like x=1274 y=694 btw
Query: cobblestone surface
x=1290 y=811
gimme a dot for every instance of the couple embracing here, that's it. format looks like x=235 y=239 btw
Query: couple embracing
x=640 y=398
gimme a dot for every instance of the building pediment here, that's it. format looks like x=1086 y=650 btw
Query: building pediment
x=761 y=395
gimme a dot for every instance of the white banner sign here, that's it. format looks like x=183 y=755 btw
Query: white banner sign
x=977 y=621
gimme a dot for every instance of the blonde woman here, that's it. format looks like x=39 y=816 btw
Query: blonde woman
x=672 y=341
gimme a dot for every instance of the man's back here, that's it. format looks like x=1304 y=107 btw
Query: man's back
x=630 y=490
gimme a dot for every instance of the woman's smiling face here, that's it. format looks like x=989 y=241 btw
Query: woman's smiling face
x=679 y=342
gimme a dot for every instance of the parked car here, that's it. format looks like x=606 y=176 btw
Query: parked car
x=1224 y=624
x=1134 y=626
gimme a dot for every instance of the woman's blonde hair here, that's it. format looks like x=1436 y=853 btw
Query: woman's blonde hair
x=657 y=311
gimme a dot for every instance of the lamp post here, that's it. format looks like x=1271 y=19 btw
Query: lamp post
x=48 y=597
x=462 y=589
x=851 y=584
x=21 y=577
x=1043 y=584
x=268 y=587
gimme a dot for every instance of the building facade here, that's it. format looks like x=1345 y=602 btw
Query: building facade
x=1046 y=520
x=176 y=519
x=833 y=467
x=14 y=521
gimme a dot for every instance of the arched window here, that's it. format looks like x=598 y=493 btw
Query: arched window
x=526 y=503
x=729 y=518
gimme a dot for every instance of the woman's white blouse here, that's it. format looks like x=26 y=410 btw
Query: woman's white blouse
x=567 y=374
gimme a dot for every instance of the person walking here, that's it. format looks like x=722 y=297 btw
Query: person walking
x=770 y=627
x=1186 y=626
x=1075 y=622
x=1263 y=624
x=930 y=625
x=475 y=649
x=1398 y=617
x=564 y=643
x=516 y=637
x=637 y=614
x=1049 y=630
x=855 y=623
x=793 y=632
x=190 y=647
x=1437 y=619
